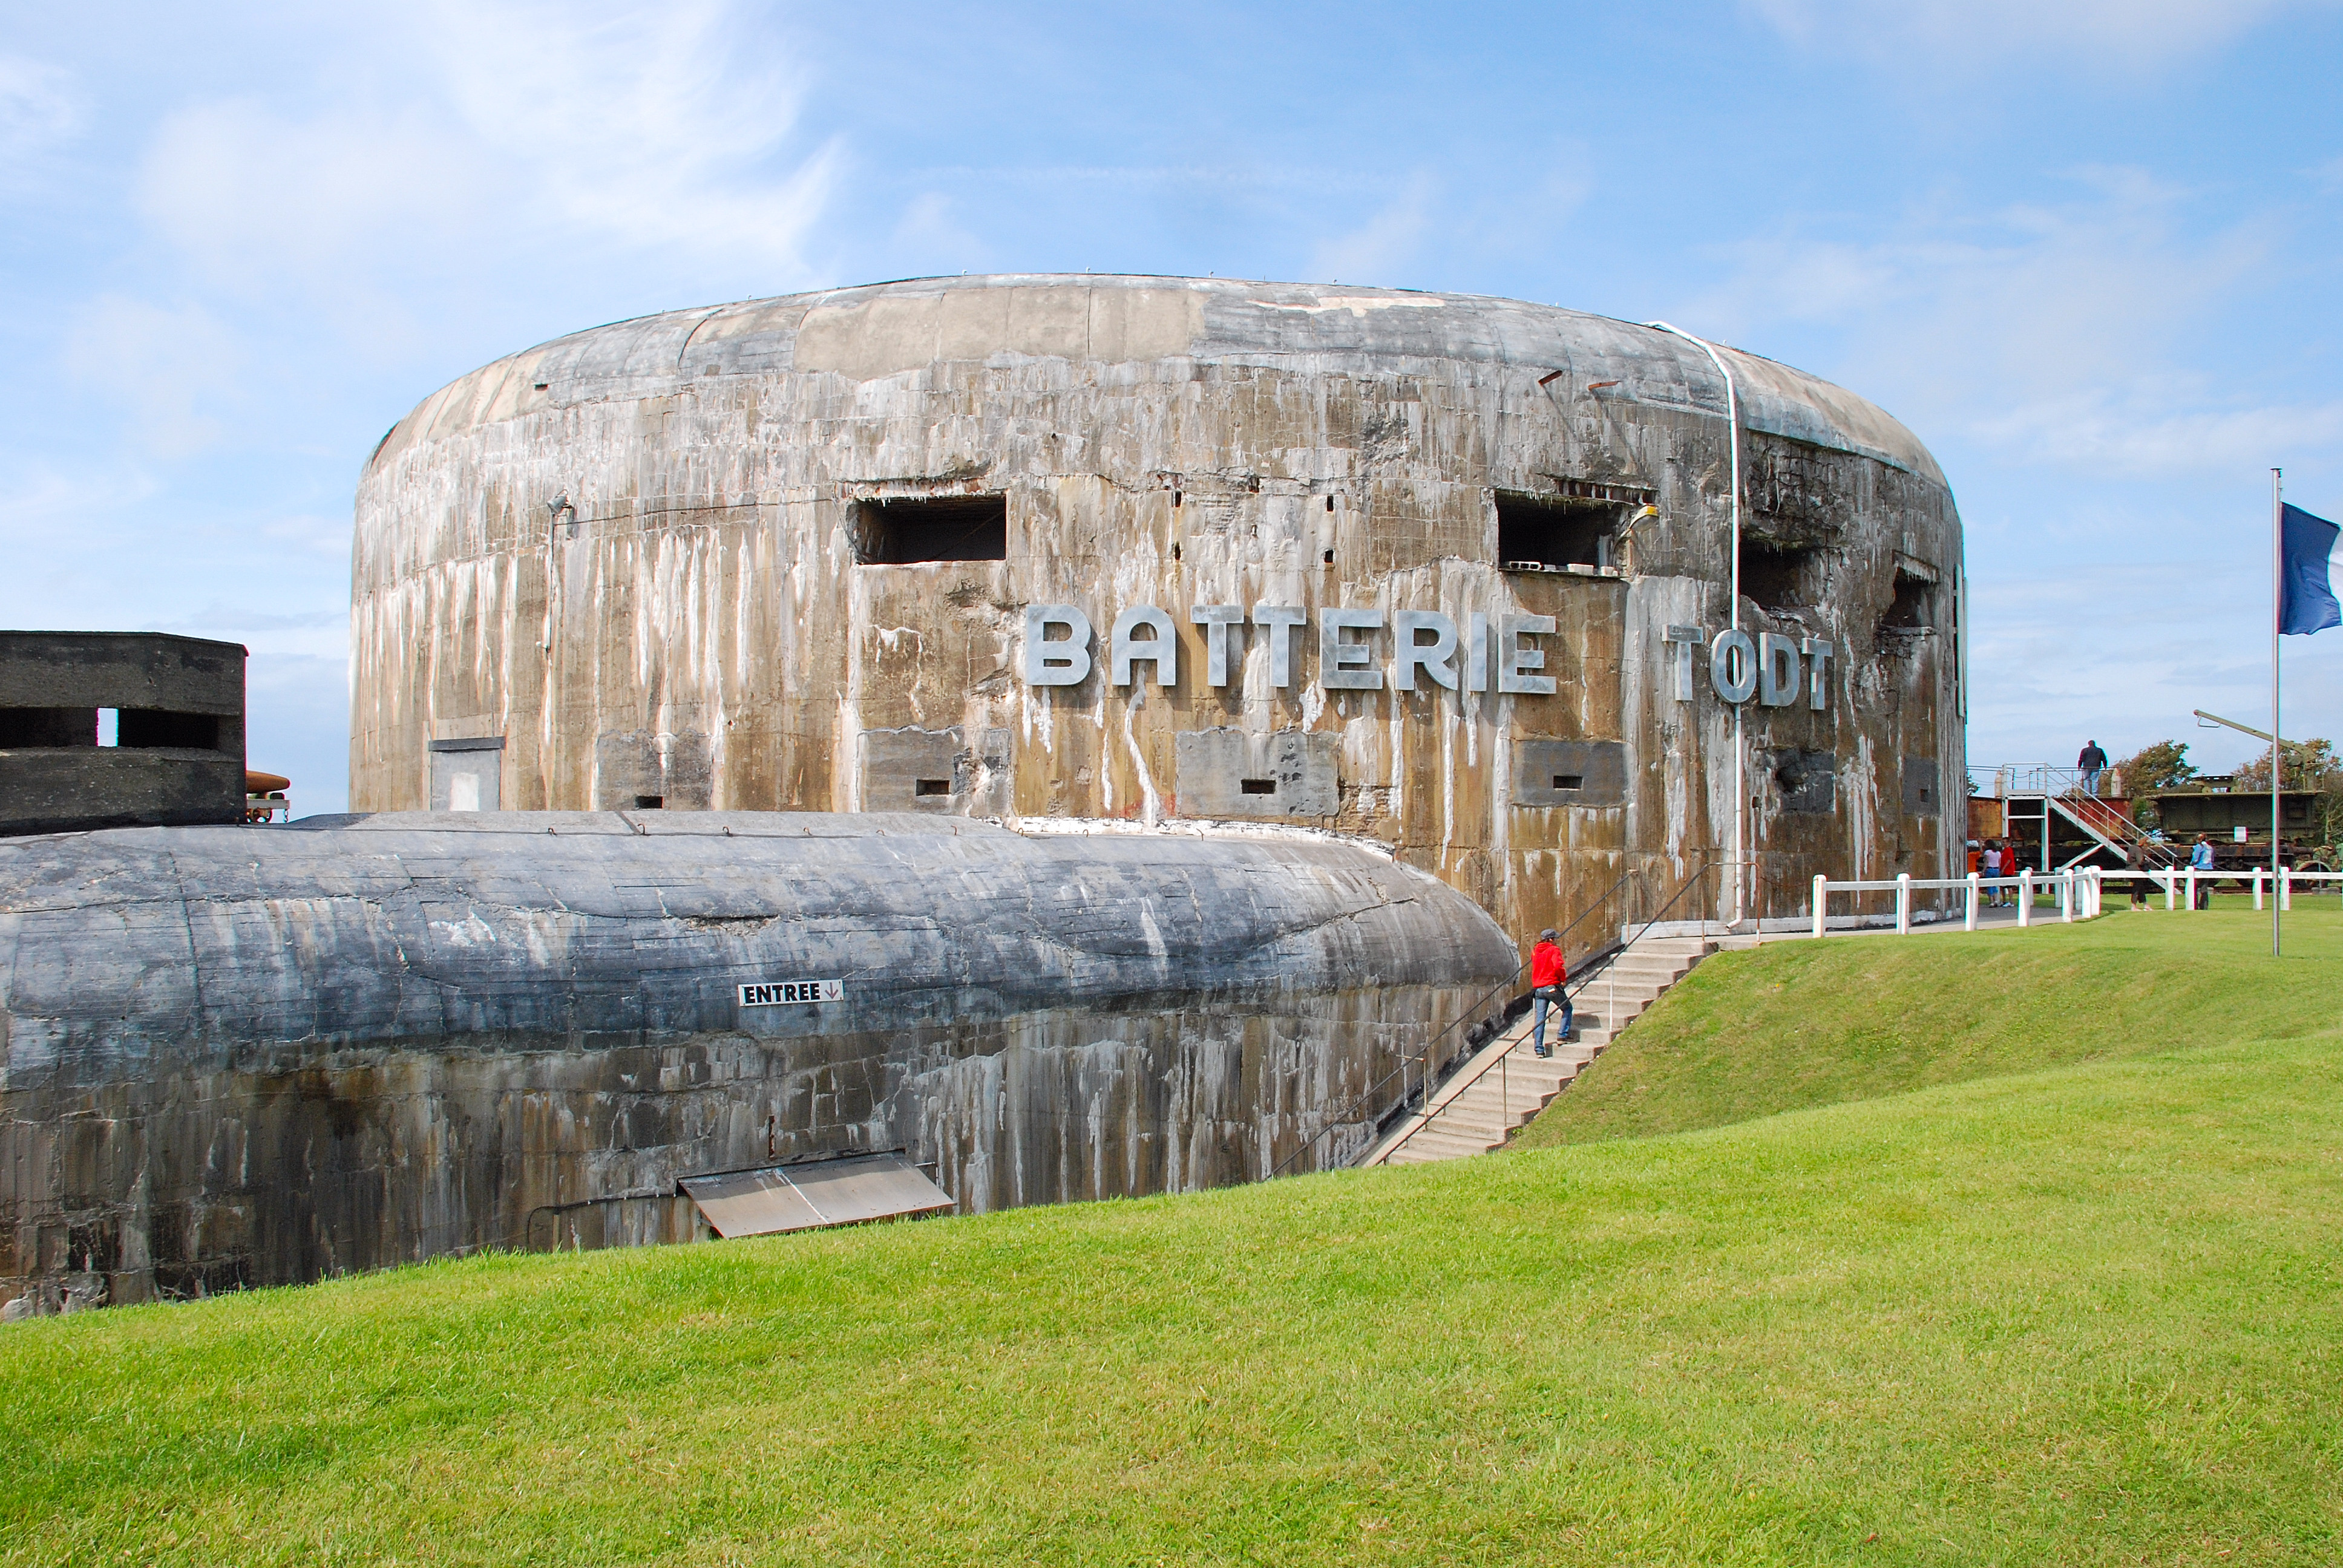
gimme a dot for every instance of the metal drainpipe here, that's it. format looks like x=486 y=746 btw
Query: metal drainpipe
x=1740 y=740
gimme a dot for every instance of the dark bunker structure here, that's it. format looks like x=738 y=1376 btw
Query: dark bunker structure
x=243 y=1056
x=177 y=706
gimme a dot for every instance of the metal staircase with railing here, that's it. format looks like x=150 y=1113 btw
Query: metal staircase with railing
x=2033 y=794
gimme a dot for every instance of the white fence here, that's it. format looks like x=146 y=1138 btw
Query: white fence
x=2079 y=892
x=2180 y=885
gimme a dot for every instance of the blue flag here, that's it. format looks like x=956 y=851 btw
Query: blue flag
x=2306 y=601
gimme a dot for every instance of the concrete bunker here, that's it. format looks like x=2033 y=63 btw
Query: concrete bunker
x=102 y=729
x=247 y=1056
x=1155 y=549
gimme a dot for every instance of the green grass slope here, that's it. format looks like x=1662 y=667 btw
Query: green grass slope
x=2085 y=1316
x=1799 y=1024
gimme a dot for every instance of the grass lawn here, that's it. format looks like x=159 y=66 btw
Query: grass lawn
x=2086 y=1315
x=1802 y=1023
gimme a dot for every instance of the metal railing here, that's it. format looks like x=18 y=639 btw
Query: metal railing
x=1485 y=1023
x=2006 y=778
x=1603 y=963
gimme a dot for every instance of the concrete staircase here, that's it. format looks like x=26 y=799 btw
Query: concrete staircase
x=1490 y=1097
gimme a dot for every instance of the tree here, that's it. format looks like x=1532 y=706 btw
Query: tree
x=2309 y=765
x=2162 y=766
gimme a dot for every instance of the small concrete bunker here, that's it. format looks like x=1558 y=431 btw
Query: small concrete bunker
x=245 y=1056
x=176 y=706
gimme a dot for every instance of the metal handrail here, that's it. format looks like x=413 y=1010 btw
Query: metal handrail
x=1585 y=977
x=1429 y=1081
x=2033 y=778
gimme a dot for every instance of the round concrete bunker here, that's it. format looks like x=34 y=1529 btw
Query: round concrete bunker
x=254 y=1055
x=1450 y=573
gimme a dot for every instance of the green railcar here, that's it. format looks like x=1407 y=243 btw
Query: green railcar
x=2237 y=821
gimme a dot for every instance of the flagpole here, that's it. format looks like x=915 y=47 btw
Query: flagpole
x=2278 y=757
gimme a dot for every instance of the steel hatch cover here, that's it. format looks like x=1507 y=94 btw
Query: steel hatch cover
x=821 y=1193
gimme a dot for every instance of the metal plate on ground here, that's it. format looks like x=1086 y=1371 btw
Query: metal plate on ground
x=809 y=1196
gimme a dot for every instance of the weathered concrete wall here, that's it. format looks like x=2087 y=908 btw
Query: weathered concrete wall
x=630 y=554
x=180 y=750
x=253 y=1055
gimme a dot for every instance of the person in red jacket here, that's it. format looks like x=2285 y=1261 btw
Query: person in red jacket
x=1547 y=973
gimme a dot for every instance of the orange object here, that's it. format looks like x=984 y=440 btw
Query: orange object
x=256 y=783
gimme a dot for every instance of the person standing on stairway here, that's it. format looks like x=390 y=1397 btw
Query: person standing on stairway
x=1548 y=975
x=2093 y=762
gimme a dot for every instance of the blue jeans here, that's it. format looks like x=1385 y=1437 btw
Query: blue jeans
x=1537 y=1032
x=2091 y=780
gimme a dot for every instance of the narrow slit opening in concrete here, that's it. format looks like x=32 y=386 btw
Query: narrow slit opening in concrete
x=931 y=786
x=1258 y=785
x=43 y=729
x=650 y=802
x=152 y=728
x=1570 y=780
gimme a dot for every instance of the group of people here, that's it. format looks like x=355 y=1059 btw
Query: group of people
x=1996 y=858
x=2200 y=861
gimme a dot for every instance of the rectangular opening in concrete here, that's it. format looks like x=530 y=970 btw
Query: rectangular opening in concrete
x=149 y=729
x=930 y=787
x=933 y=528
x=650 y=802
x=1570 y=780
x=42 y=728
x=1554 y=531
x=1780 y=575
x=1257 y=786
x=1913 y=610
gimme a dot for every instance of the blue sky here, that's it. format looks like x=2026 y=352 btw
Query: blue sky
x=2089 y=252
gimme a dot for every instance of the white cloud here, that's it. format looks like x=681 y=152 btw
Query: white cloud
x=33 y=496
x=525 y=128
x=1378 y=249
x=634 y=124
x=256 y=197
x=311 y=535
x=2058 y=334
x=176 y=370
x=322 y=634
x=928 y=230
x=1933 y=34
x=40 y=111
x=2117 y=432
x=2046 y=679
